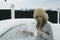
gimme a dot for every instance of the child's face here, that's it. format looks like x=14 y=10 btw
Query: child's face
x=39 y=18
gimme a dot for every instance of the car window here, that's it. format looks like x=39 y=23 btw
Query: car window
x=15 y=33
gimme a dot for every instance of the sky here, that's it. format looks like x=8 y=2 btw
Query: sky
x=30 y=4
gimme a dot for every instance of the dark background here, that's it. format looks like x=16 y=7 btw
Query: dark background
x=6 y=14
x=59 y=17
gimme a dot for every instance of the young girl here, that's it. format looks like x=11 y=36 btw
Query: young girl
x=44 y=31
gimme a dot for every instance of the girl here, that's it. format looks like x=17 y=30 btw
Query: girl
x=44 y=31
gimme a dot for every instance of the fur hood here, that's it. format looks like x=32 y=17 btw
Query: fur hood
x=42 y=12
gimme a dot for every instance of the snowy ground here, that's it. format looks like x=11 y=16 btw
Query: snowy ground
x=7 y=24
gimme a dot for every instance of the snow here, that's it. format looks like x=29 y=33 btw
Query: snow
x=7 y=24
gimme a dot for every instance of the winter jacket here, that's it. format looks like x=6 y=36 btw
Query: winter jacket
x=47 y=35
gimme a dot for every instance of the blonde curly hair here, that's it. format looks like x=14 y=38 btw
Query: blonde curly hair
x=42 y=12
x=38 y=12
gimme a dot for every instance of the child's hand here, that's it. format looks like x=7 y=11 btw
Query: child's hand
x=24 y=30
x=39 y=32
